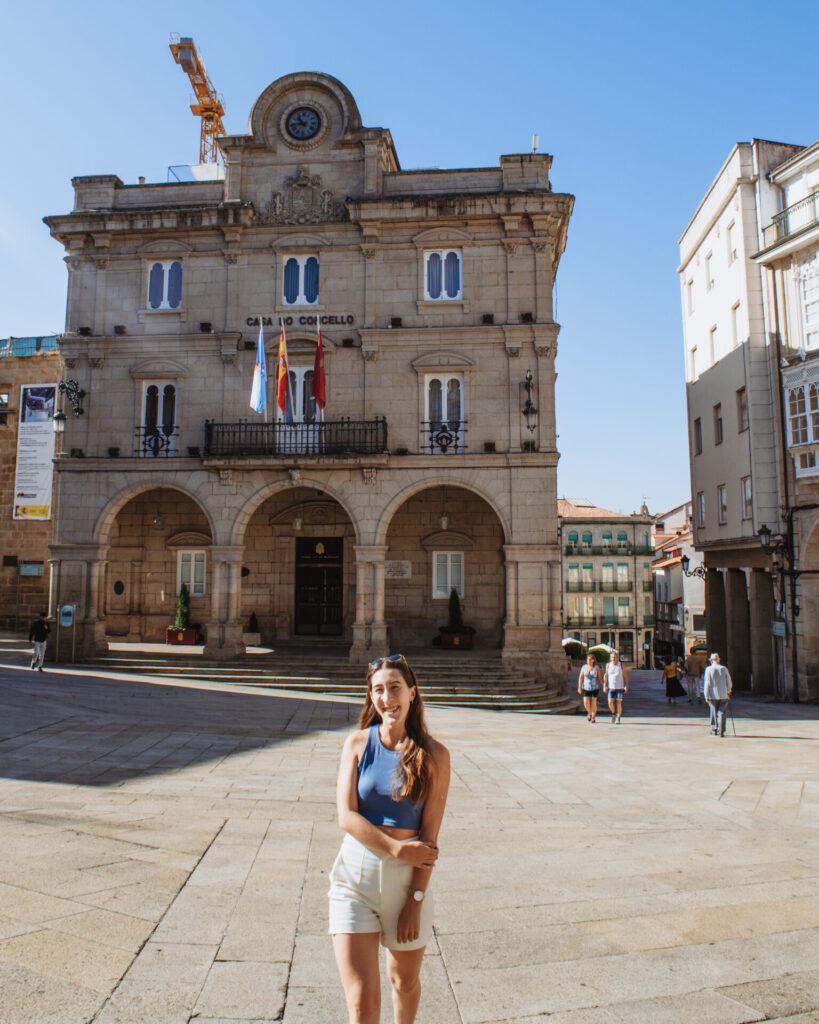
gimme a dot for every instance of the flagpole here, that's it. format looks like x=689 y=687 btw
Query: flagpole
x=261 y=336
x=289 y=384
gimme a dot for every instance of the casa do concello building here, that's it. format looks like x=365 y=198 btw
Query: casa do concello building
x=434 y=465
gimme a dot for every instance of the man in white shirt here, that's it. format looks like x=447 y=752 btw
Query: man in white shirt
x=717 y=690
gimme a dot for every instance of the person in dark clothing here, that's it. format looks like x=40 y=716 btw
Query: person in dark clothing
x=38 y=635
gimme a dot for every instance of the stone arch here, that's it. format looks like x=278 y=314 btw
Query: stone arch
x=429 y=483
x=256 y=500
x=102 y=526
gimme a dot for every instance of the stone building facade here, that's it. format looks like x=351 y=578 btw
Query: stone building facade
x=24 y=575
x=433 y=290
x=608 y=588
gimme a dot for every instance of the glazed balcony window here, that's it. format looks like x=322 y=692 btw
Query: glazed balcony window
x=442 y=275
x=165 y=285
x=301 y=280
x=444 y=426
x=156 y=436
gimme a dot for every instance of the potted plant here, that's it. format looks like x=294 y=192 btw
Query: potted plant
x=252 y=637
x=455 y=634
x=181 y=632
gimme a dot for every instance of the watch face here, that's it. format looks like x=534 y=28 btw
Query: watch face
x=303 y=123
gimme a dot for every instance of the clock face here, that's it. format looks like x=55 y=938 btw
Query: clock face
x=303 y=123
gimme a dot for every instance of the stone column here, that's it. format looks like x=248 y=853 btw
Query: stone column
x=715 y=612
x=370 y=630
x=224 y=639
x=77 y=572
x=762 y=613
x=738 y=629
x=543 y=279
x=531 y=630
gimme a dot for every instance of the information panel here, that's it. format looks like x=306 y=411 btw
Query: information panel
x=34 y=477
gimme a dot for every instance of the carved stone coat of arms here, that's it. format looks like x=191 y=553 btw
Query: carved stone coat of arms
x=303 y=200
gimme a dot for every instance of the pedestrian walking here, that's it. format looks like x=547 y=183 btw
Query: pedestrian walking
x=615 y=683
x=717 y=689
x=673 y=689
x=392 y=788
x=588 y=684
x=38 y=635
x=693 y=672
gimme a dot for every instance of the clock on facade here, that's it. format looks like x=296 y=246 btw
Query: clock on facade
x=303 y=123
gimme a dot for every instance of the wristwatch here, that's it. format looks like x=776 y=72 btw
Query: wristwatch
x=418 y=895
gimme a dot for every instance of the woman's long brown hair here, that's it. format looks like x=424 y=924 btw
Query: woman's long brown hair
x=414 y=770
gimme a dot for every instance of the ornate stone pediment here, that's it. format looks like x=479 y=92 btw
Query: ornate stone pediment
x=189 y=539
x=303 y=200
x=441 y=361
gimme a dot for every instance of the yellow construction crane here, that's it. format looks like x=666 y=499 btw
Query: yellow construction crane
x=208 y=105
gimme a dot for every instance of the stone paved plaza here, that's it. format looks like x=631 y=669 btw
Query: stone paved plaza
x=164 y=851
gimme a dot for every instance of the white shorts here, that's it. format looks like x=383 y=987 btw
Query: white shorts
x=367 y=892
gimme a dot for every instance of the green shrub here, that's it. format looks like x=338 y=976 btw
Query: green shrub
x=601 y=654
x=456 y=619
x=183 y=609
x=575 y=650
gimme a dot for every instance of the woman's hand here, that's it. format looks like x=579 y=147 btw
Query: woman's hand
x=419 y=853
x=409 y=921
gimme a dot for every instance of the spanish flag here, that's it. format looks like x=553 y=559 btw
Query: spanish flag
x=281 y=374
x=319 y=384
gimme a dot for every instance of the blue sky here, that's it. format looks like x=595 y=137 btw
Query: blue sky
x=639 y=103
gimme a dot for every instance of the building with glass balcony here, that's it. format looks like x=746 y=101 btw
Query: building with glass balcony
x=608 y=588
x=432 y=464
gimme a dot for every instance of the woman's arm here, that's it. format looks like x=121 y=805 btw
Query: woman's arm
x=417 y=853
x=409 y=920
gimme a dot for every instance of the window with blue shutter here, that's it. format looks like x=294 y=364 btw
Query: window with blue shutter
x=442 y=275
x=301 y=280
x=165 y=285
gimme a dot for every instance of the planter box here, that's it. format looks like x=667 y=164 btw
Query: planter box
x=181 y=636
x=252 y=639
x=462 y=641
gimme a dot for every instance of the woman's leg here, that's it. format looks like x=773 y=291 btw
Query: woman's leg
x=357 y=959
x=587 y=706
x=593 y=708
x=404 y=969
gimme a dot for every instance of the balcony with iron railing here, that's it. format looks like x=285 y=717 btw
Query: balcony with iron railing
x=580 y=586
x=581 y=620
x=338 y=439
x=795 y=218
x=612 y=549
x=616 y=586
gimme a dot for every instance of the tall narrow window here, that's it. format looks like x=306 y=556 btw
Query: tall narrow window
x=692 y=363
x=190 y=570
x=810 y=310
x=718 y=423
x=813 y=409
x=301 y=280
x=747 y=503
x=622 y=539
x=606 y=540
x=700 y=508
x=797 y=416
x=442 y=275
x=709 y=272
x=445 y=413
x=572 y=539
x=587 y=538
x=742 y=410
x=165 y=285
x=735 y=324
x=157 y=433
x=623 y=582
x=712 y=346
x=447 y=573
x=722 y=504
x=698 y=436
x=731 y=241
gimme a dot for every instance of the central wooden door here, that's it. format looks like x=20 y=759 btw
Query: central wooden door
x=319 y=586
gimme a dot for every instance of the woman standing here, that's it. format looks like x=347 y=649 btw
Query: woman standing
x=615 y=683
x=673 y=689
x=588 y=684
x=392 y=789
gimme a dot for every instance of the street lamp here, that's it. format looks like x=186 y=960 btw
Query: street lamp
x=58 y=422
x=698 y=570
x=529 y=410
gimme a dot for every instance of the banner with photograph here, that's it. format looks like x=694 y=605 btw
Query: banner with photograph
x=35 y=452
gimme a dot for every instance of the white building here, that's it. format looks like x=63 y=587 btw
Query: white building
x=679 y=588
x=790 y=258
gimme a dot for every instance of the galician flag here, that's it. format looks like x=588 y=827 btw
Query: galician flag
x=319 y=384
x=282 y=381
x=258 y=392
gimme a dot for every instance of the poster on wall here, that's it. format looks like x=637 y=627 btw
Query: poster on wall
x=35 y=452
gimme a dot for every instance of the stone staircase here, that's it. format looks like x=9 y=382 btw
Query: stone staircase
x=471 y=681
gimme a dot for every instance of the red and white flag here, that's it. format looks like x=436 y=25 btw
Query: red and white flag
x=319 y=382
x=282 y=380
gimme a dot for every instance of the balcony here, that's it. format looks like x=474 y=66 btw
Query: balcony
x=648 y=586
x=620 y=622
x=616 y=586
x=610 y=549
x=340 y=438
x=581 y=620
x=801 y=215
x=648 y=620
x=580 y=586
x=156 y=442
x=443 y=438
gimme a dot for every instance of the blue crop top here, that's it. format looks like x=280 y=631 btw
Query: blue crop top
x=376 y=783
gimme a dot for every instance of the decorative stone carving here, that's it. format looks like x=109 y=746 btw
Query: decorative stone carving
x=71 y=362
x=544 y=349
x=231 y=258
x=225 y=476
x=303 y=201
x=96 y=361
x=295 y=475
x=369 y=474
x=510 y=247
x=370 y=353
x=101 y=263
x=369 y=253
x=512 y=347
x=540 y=245
x=75 y=262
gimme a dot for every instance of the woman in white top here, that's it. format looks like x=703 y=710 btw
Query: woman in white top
x=616 y=685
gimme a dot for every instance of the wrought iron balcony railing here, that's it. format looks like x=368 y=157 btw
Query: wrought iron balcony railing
x=616 y=586
x=444 y=437
x=609 y=549
x=801 y=215
x=578 y=586
x=581 y=620
x=156 y=442
x=338 y=438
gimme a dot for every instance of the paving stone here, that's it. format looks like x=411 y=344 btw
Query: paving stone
x=703 y=1007
x=781 y=996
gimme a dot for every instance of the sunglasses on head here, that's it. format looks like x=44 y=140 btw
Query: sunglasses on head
x=389 y=657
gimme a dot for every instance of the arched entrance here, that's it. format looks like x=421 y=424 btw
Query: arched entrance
x=298 y=569
x=443 y=538
x=157 y=541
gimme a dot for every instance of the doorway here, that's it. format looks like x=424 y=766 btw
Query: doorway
x=318 y=605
